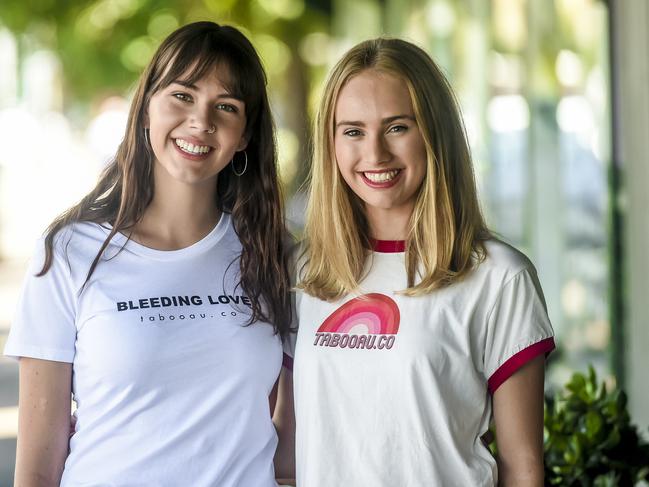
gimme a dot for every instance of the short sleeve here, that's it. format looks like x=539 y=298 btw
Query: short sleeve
x=44 y=324
x=518 y=328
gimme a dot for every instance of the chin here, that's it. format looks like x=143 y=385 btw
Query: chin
x=190 y=179
x=380 y=203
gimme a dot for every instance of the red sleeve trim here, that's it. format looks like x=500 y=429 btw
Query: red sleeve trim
x=515 y=362
x=287 y=361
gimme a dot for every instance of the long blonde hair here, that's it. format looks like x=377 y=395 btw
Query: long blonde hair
x=446 y=232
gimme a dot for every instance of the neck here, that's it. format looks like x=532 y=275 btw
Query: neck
x=178 y=216
x=391 y=224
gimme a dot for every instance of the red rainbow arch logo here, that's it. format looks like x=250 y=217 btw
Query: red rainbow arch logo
x=375 y=312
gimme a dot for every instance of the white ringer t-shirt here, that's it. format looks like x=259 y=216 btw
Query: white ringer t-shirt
x=393 y=390
x=171 y=389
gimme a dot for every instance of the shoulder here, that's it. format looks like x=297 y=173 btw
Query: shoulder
x=297 y=250
x=228 y=233
x=291 y=248
x=507 y=269
x=297 y=258
x=504 y=259
x=503 y=264
x=288 y=239
x=80 y=236
x=74 y=245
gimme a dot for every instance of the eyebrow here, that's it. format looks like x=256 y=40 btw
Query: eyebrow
x=384 y=121
x=192 y=86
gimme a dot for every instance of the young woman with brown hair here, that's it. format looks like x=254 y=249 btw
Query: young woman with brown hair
x=416 y=325
x=161 y=299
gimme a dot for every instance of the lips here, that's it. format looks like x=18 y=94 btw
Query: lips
x=192 y=150
x=381 y=179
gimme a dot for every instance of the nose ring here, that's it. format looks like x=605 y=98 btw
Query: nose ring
x=212 y=129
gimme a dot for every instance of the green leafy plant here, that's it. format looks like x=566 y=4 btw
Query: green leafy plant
x=589 y=440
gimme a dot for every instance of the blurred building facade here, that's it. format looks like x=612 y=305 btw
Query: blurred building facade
x=631 y=143
x=554 y=95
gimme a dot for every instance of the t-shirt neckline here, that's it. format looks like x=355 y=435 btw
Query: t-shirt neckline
x=388 y=246
x=196 y=248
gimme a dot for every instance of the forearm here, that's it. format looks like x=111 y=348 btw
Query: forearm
x=34 y=479
x=43 y=422
x=39 y=463
x=518 y=414
x=284 y=460
x=284 y=469
x=284 y=420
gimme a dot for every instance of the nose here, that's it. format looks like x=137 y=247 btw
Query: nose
x=201 y=119
x=378 y=150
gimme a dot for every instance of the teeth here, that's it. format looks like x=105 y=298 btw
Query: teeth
x=381 y=177
x=191 y=148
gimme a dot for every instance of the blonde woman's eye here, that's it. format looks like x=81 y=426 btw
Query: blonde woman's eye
x=227 y=107
x=398 y=128
x=352 y=132
x=183 y=96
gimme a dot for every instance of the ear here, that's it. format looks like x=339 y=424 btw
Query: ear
x=243 y=143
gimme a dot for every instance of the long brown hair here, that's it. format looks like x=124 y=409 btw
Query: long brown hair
x=446 y=231
x=125 y=188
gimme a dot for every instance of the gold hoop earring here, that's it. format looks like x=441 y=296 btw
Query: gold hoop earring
x=147 y=138
x=245 y=165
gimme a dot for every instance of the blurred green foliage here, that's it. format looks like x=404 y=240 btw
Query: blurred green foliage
x=589 y=438
x=104 y=44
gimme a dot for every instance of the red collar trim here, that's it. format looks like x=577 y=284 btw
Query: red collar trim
x=388 y=246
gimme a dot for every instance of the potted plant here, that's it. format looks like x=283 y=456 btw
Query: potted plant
x=589 y=439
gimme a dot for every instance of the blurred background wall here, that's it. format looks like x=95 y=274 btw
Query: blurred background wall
x=554 y=94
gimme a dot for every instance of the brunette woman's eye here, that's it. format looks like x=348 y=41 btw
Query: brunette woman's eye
x=227 y=107
x=183 y=96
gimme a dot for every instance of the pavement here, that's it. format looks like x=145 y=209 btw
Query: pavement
x=8 y=420
x=11 y=276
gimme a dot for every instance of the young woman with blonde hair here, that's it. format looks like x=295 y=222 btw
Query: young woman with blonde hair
x=159 y=301
x=416 y=325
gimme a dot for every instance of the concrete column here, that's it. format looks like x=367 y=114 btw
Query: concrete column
x=630 y=68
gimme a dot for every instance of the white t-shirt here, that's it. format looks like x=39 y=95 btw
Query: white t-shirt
x=171 y=389
x=393 y=390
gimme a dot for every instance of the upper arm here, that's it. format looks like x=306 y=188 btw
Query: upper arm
x=518 y=336
x=43 y=421
x=518 y=416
